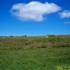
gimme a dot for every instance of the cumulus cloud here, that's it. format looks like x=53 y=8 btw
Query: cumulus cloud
x=34 y=10
x=65 y=14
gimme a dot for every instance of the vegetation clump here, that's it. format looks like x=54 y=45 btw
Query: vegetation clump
x=34 y=42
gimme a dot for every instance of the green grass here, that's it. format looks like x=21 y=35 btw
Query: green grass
x=34 y=53
x=34 y=58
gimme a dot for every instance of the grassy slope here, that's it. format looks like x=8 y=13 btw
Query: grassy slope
x=21 y=53
x=34 y=59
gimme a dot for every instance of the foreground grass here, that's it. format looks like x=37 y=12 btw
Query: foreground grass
x=34 y=58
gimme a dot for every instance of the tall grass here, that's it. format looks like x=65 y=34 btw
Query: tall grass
x=34 y=53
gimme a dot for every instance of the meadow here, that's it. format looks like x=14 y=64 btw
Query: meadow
x=35 y=53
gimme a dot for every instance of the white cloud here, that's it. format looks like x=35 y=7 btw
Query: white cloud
x=34 y=10
x=65 y=14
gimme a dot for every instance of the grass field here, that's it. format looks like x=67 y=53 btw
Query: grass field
x=34 y=59
x=35 y=53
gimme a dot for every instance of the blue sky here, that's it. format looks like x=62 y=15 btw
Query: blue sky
x=53 y=19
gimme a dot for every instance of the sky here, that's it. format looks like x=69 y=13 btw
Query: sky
x=34 y=17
